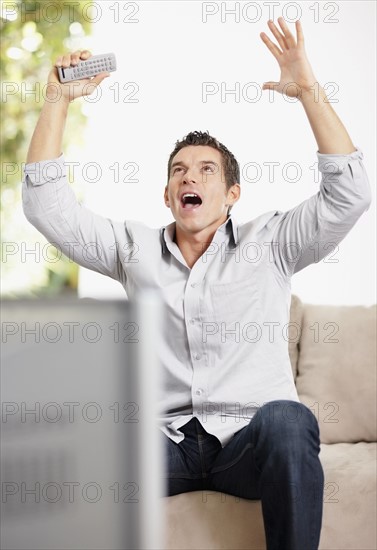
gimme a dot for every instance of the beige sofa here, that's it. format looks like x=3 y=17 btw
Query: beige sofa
x=334 y=364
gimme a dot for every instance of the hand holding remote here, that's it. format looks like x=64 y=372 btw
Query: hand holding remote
x=73 y=88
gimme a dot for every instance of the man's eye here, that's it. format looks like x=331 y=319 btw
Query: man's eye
x=177 y=168
x=208 y=167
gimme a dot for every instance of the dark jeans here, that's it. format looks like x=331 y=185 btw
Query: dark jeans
x=274 y=459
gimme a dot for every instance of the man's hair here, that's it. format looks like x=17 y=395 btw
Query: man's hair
x=230 y=170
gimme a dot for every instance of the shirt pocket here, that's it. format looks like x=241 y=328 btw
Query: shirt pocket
x=235 y=302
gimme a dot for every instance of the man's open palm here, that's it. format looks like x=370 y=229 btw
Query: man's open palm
x=296 y=72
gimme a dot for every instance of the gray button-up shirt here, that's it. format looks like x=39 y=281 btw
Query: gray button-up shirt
x=224 y=350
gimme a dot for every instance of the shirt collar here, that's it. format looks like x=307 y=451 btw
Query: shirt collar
x=229 y=226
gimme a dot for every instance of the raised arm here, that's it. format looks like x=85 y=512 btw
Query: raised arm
x=311 y=230
x=297 y=80
x=49 y=203
x=46 y=142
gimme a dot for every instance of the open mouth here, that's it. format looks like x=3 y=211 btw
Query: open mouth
x=190 y=201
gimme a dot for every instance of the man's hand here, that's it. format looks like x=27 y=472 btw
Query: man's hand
x=46 y=142
x=76 y=88
x=296 y=73
x=297 y=80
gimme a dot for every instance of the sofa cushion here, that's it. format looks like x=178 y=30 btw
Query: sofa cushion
x=207 y=519
x=349 y=503
x=294 y=331
x=210 y=520
x=337 y=370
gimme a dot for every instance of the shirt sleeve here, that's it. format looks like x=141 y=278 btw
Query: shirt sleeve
x=51 y=206
x=309 y=232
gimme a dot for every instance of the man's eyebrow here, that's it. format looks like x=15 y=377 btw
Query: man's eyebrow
x=209 y=162
x=181 y=163
x=177 y=163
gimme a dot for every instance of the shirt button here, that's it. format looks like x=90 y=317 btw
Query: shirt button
x=198 y=392
x=196 y=356
x=193 y=285
x=192 y=321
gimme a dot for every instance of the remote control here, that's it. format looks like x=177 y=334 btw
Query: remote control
x=90 y=67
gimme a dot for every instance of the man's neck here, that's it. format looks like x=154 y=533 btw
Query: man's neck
x=193 y=245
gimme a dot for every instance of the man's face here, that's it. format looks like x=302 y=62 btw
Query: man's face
x=196 y=192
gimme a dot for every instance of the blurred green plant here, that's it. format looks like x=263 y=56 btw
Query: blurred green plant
x=33 y=35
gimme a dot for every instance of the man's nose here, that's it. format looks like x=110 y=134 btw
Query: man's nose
x=189 y=177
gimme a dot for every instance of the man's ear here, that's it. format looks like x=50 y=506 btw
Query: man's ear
x=233 y=194
x=166 y=197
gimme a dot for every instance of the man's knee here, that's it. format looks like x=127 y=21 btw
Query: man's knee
x=286 y=422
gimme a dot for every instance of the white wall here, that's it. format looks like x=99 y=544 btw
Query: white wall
x=169 y=53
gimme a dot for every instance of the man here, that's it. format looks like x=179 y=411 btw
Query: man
x=232 y=420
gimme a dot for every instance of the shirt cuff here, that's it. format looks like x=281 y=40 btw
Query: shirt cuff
x=45 y=171
x=335 y=163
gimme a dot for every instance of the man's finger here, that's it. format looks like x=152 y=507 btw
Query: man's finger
x=277 y=34
x=289 y=38
x=66 y=61
x=270 y=85
x=300 y=34
x=75 y=57
x=96 y=81
x=270 y=45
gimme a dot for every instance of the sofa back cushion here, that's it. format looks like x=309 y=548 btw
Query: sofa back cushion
x=336 y=375
x=294 y=331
